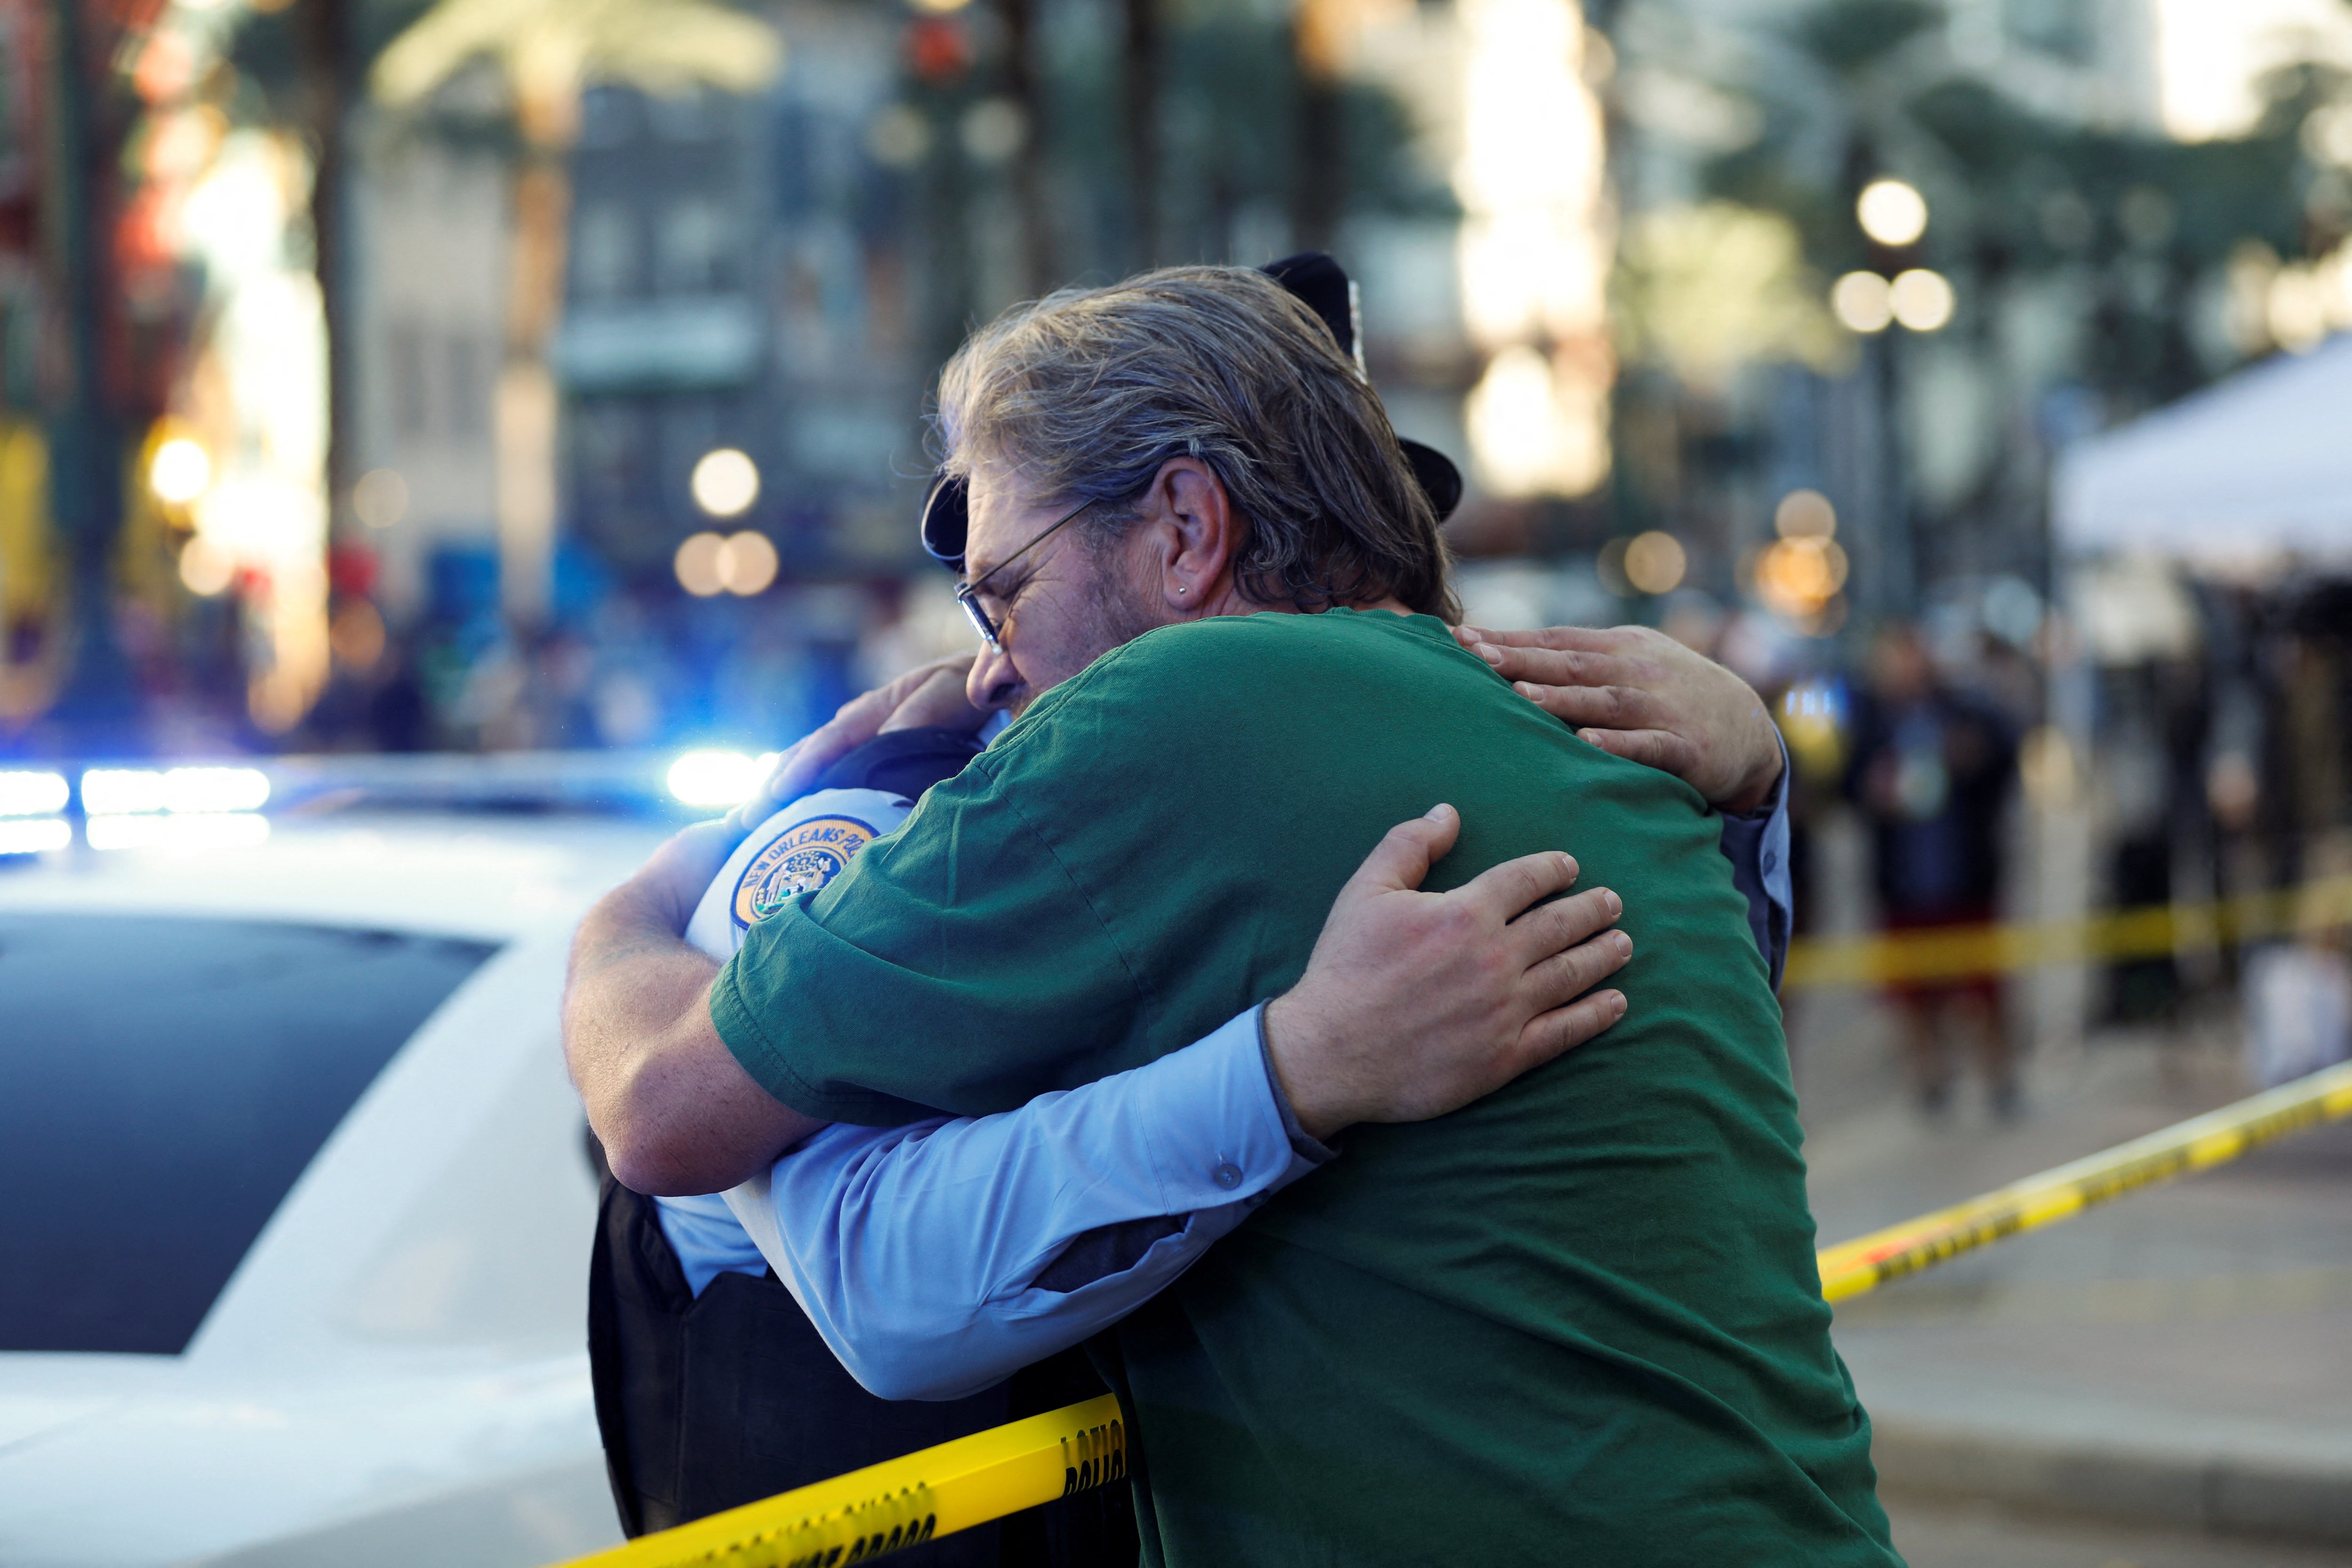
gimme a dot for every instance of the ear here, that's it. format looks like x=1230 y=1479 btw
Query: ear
x=1191 y=535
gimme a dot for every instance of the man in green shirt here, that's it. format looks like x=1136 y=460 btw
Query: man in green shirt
x=1575 y=1321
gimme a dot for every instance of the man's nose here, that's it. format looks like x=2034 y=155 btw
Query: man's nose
x=993 y=683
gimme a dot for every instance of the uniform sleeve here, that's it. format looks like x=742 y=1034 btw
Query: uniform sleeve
x=1757 y=844
x=707 y=1238
x=956 y=967
x=938 y=1256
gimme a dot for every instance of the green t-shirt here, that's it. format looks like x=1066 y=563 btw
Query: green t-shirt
x=1578 y=1322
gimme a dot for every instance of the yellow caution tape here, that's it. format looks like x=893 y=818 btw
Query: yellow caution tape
x=955 y=1486
x=900 y=1502
x=2155 y=931
x=1865 y=1264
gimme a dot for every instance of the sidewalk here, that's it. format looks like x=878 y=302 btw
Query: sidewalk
x=2181 y=1357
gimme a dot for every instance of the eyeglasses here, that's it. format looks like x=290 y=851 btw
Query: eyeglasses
x=968 y=593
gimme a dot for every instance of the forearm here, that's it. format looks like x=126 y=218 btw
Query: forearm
x=663 y=1095
x=631 y=983
x=939 y=1258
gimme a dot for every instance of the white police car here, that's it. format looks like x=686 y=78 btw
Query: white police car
x=295 y=1205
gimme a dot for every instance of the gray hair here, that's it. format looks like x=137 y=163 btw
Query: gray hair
x=1085 y=392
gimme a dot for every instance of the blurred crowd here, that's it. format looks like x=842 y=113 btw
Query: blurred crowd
x=2202 y=774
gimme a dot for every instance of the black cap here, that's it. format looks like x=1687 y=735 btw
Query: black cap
x=1323 y=286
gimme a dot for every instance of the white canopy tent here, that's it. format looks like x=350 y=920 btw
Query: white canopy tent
x=2257 y=469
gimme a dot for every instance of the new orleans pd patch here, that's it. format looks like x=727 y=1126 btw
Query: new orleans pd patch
x=801 y=859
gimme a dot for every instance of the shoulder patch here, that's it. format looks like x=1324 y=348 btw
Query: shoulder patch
x=801 y=859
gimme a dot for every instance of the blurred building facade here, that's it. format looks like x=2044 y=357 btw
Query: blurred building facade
x=778 y=274
x=394 y=367
x=432 y=238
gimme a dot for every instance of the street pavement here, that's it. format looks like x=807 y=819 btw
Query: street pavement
x=1939 y=1533
x=2180 y=1360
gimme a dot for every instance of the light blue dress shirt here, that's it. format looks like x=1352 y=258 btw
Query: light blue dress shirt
x=939 y=1258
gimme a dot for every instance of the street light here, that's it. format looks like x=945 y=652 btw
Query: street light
x=1891 y=213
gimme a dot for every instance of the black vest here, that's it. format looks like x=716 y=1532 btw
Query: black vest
x=708 y=1402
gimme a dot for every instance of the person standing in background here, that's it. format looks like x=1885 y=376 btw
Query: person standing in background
x=1931 y=770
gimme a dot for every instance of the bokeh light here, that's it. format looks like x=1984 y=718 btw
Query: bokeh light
x=746 y=562
x=121 y=792
x=1799 y=576
x=36 y=835
x=109 y=791
x=1532 y=428
x=209 y=789
x=1804 y=514
x=714 y=778
x=726 y=482
x=1655 y=562
x=1920 y=300
x=1891 y=211
x=32 y=794
x=698 y=565
x=180 y=471
x=1533 y=251
x=381 y=497
x=708 y=565
x=205 y=569
x=1864 y=301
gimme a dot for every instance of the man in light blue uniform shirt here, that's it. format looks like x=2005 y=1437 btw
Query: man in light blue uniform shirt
x=938 y=1256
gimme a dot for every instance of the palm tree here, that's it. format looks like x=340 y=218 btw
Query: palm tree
x=547 y=51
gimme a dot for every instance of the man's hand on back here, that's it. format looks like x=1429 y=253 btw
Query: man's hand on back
x=1414 y=1004
x=1640 y=694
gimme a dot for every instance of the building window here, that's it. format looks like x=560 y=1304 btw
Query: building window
x=693 y=237
x=604 y=261
x=689 y=116
x=466 y=388
x=609 y=116
x=412 y=388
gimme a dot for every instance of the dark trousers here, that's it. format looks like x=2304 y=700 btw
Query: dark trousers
x=708 y=1402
